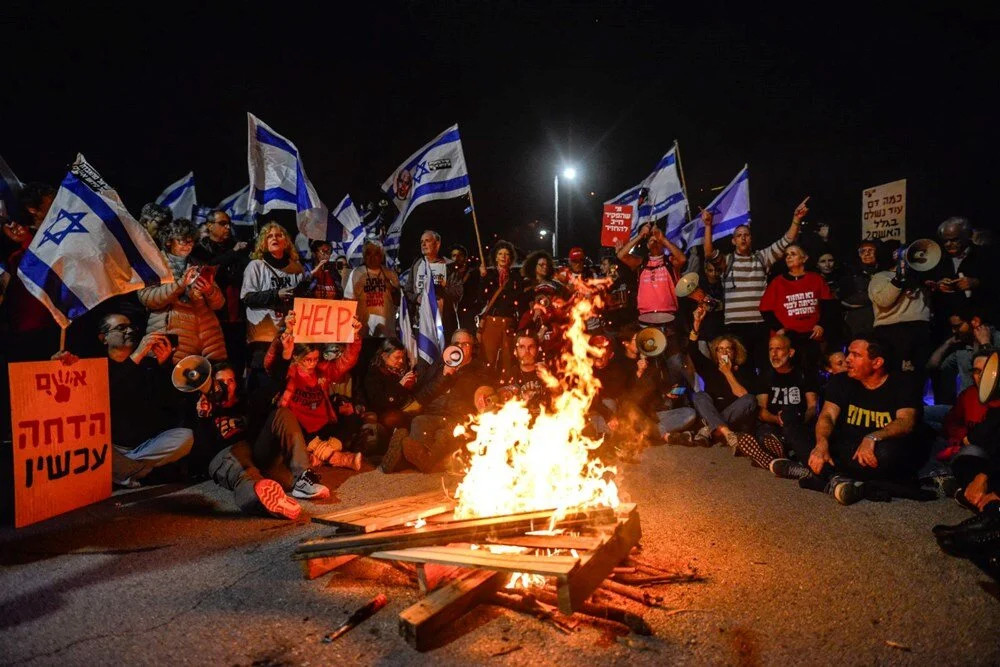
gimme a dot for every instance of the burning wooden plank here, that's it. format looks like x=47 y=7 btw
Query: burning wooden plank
x=388 y=514
x=420 y=624
x=546 y=566
x=469 y=530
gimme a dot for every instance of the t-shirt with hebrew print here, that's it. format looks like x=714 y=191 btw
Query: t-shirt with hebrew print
x=865 y=410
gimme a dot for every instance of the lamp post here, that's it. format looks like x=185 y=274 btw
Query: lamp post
x=569 y=173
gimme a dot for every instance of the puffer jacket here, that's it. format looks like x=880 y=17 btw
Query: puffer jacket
x=174 y=310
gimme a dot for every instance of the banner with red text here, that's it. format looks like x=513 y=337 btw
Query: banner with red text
x=324 y=321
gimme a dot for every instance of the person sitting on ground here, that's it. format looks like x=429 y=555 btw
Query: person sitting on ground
x=969 y=334
x=222 y=425
x=303 y=420
x=744 y=278
x=865 y=430
x=787 y=399
x=799 y=305
x=186 y=307
x=145 y=408
x=446 y=397
x=726 y=405
x=967 y=412
x=389 y=384
x=835 y=362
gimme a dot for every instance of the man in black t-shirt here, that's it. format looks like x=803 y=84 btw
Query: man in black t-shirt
x=523 y=381
x=787 y=398
x=865 y=429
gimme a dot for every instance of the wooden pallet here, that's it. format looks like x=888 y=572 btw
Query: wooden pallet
x=388 y=514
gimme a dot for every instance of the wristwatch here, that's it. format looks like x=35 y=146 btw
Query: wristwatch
x=874 y=438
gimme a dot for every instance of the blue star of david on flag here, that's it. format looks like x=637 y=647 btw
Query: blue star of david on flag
x=419 y=171
x=74 y=227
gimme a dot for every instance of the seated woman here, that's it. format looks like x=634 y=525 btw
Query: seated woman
x=186 y=307
x=726 y=405
x=304 y=414
x=389 y=384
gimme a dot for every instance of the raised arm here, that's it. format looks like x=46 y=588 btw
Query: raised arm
x=706 y=219
x=631 y=261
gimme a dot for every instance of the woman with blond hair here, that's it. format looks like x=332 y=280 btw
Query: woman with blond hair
x=727 y=404
x=269 y=288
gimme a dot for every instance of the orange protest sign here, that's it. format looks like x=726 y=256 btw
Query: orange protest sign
x=61 y=421
x=324 y=321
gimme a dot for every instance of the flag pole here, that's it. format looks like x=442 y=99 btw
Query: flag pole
x=680 y=170
x=62 y=339
x=475 y=224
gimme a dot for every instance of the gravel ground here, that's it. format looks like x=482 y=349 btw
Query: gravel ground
x=172 y=574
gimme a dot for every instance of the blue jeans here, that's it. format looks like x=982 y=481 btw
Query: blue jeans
x=738 y=415
x=163 y=448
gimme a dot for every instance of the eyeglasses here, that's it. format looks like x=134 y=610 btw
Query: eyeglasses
x=121 y=328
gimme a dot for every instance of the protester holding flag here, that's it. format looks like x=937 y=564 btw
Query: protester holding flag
x=447 y=287
x=502 y=302
x=185 y=307
x=745 y=277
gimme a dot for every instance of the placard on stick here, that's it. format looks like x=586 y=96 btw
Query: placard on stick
x=883 y=212
x=324 y=321
x=616 y=225
x=61 y=421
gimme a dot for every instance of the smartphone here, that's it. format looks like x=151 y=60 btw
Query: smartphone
x=174 y=339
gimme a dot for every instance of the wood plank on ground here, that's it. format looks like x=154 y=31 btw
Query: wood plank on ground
x=579 y=542
x=431 y=576
x=470 y=530
x=547 y=566
x=420 y=624
x=596 y=565
x=317 y=567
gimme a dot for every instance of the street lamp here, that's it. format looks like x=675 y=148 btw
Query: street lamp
x=569 y=173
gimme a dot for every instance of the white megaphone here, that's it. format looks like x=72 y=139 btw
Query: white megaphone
x=688 y=286
x=988 y=381
x=651 y=342
x=922 y=255
x=193 y=373
x=453 y=356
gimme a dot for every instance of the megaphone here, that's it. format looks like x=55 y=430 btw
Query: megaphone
x=453 y=356
x=193 y=373
x=688 y=286
x=651 y=342
x=988 y=380
x=922 y=255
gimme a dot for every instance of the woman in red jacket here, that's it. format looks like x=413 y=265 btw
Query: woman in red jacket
x=799 y=304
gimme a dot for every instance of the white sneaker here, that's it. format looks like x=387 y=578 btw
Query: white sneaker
x=307 y=487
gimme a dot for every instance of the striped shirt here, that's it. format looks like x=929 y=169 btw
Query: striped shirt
x=745 y=280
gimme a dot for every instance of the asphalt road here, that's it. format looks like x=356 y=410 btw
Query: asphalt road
x=175 y=575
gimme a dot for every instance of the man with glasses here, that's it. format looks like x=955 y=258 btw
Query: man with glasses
x=219 y=247
x=969 y=334
x=459 y=256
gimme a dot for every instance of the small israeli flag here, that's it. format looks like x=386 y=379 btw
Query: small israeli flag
x=406 y=331
x=10 y=186
x=430 y=329
x=180 y=197
x=237 y=206
x=278 y=180
x=87 y=249
x=436 y=171
x=731 y=208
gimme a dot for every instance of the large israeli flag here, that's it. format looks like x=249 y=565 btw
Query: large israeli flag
x=88 y=248
x=730 y=209
x=659 y=196
x=278 y=180
x=180 y=197
x=237 y=206
x=430 y=329
x=436 y=171
x=10 y=186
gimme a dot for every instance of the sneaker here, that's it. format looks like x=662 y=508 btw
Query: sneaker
x=350 y=460
x=307 y=487
x=273 y=498
x=944 y=485
x=127 y=483
x=733 y=441
x=682 y=438
x=393 y=457
x=846 y=491
x=703 y=438
x=788 y=469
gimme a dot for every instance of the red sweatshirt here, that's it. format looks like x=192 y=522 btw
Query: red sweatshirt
x=307 y=396
x=796 y=302
x=966 y=413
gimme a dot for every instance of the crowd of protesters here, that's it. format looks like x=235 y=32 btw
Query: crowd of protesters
x=815 y=368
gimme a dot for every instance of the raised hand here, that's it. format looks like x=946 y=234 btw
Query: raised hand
x=801 y=211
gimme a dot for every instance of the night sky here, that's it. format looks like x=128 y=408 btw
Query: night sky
x=823 y=105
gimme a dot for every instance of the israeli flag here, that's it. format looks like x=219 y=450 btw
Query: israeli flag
x=430 y=329
x=87 y=249
x=436 y=171
x=278 y=180
x=10 y=186
x=406 y=331
x=349 y=219
x=180 y=197
x=659 y=196
x=731 y=208
x=237 y=206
